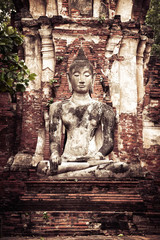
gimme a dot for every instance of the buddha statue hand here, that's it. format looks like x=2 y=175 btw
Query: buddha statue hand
x=37 y=158
x=99 y=156
x=55 y=160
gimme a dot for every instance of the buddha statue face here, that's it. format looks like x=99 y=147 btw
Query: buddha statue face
x=81 y=76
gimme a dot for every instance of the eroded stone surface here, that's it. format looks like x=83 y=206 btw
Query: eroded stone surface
x=82 y=124
x=91 y=169
x=21 y=161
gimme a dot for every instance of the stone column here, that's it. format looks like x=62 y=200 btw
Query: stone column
x=147 y=52
x=96 y=8
x=37 y=8
x=48 y=69
x=59 y=5
x=51 y=8
x=31 y=112
x=128 y=82
x=48 y=59
x=127 y=128
x=140 y=68
x=112 y=49
x=32 y=53
x=124 y=8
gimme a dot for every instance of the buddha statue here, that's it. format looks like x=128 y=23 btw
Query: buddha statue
x=89 y=126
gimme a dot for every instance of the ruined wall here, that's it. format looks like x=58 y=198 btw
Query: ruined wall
x=7 y=127
x=115 y=39
x=151 y=116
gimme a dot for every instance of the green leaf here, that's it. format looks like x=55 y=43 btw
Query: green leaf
x=2 y=76
x=19 y=76
x=2 y=43
x=32 y=76
x=16 y=58
x=20 y=88
x=120 y=235
x=153 y=19
x=14 y=74
x=10 y=82
x=9 y=75
x=13 y=68
x=10 y=30
x=26 y=71
x=53 y=81
x=26 y=82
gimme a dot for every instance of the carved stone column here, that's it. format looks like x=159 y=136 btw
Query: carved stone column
x=51 y=8
x=31 y=112
x=112 y=49
x=37 y=8
x=96 y=8
x=128 y=82
x=127 y=128
x=140 y=68
x=48 y=59
x=124 y=8
x=32 y=53
x=48 y=68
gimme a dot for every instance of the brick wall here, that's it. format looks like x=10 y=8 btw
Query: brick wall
x=32 y=121
x=95 y=54
x=7 y=128
x=152 y=104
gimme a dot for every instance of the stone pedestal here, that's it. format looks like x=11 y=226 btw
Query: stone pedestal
x=49 y=208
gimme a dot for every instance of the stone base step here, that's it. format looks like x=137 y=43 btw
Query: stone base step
x=81 y=202
x=44 y=186
x=53 y=223
x=48 y=208
x=82 y=196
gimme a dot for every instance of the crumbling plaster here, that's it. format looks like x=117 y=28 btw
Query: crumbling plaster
x=124 y=8
x=127 y=76
x=151 y=130
x=51 y=8
x=32 y=53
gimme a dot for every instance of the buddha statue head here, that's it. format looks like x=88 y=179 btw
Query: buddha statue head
x=81 y=75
